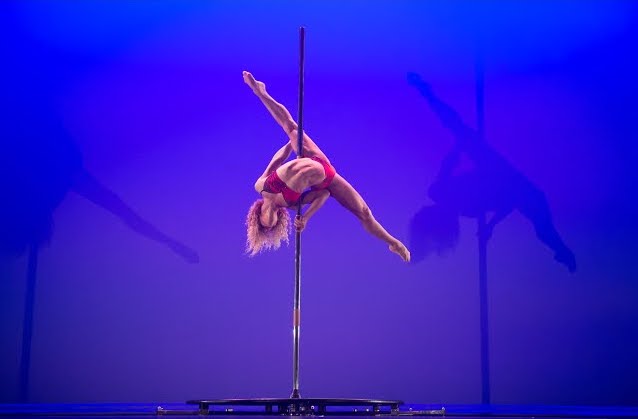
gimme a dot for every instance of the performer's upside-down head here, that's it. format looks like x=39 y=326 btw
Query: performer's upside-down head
x=260 y=237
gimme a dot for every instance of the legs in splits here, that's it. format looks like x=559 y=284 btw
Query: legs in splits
x=340 y=189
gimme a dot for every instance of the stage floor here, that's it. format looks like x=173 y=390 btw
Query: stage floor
x=134 y=410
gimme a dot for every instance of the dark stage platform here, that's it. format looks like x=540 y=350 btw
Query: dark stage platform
x=228 y=409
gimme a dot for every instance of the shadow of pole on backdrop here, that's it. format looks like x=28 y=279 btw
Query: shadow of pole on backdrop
x=39 y=164
x=493 y=186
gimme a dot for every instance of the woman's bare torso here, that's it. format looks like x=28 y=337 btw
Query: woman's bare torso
x=298 y=174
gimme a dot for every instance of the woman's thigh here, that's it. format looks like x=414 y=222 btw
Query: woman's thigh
x=310 y=148
x=346 y=195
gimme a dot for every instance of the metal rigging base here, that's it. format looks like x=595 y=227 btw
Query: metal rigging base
x=300 y=407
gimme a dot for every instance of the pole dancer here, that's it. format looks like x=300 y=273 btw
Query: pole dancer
x=309 y=180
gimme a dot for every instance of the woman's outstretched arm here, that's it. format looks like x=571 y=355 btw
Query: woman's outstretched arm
x=278 y=159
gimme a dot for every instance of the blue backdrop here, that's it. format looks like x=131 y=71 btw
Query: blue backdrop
x=129 y=122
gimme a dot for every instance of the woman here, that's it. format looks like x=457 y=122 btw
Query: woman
x=282 y=184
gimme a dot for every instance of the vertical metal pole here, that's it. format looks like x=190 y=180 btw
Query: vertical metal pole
x=482 y=245
x=27 y=326
x=296 y=313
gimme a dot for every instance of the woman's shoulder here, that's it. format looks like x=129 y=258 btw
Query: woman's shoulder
x=259 y=183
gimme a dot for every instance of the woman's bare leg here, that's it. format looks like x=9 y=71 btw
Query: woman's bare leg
x=276 y=109
x=283 y=118
x=349 y=198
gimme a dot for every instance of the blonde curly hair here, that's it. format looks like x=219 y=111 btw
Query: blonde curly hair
x=259 y=238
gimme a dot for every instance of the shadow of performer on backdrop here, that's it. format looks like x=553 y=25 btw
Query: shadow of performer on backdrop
x=39 y=165
x=493 y=185
x=39 y=161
